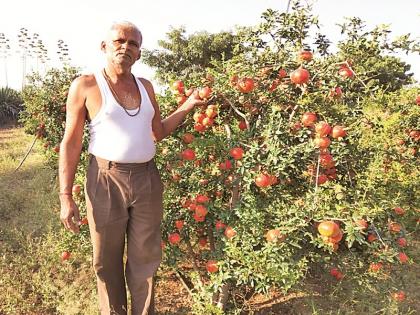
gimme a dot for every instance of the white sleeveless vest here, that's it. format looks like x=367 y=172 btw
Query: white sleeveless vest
x=118 y=137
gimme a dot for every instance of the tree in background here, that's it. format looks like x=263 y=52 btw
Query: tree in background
x=63 y=52
x=33 y=54
x=183 y=56
x=24 y=39
x=39 y=53
x=5 y=53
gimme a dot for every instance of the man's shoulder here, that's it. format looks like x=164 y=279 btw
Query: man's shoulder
x=85 y=80
x=145 y=81
x=147 y=85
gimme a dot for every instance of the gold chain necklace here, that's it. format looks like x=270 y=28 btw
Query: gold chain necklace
x=108 y=80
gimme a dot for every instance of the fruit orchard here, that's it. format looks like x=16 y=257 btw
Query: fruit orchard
x=301 y=156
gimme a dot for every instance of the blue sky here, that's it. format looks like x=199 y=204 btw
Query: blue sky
x=82 y=23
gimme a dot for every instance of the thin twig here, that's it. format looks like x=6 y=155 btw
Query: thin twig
x=348 y=172
x=184 y=281
x=211 y=238
x=192 y=255
x=223 y=296
x=288 y=6
x=237 y=111
x=293 y=112
x=27 y=153
x=247 y=145
x=377 y=233
x=228 y=132
x=316 y=182
x=235 y=195
x=355 y=74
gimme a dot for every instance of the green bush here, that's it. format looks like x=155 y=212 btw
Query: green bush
x=10 y=105
x=45 y=108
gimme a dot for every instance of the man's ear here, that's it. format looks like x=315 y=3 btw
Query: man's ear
x=103 y=46
x=138 y=57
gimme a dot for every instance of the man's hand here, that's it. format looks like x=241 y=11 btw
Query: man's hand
x=69 y=213
x=194 y=100
x=163 y=128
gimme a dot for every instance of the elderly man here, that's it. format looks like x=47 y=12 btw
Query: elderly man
x=123 y=186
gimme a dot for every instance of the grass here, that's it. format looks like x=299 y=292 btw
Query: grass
x=34 y=280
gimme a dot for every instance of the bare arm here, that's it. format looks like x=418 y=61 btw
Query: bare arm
x=163 y=128
x=70 y=150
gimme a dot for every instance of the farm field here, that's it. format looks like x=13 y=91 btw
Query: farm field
x=35 y=281
x=288 y=159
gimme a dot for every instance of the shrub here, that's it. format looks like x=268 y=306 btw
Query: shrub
x=10 y=105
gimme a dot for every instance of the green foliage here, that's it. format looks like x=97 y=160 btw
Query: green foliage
x=183 y=55
x=277 y=144
x=10 y=105
x=368 y=51
x=45 y=108
x=44 y=116
x=365 y=174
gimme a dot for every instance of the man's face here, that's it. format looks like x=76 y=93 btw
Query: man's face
x=123 y=45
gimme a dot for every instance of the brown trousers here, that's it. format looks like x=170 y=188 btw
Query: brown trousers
x=124 y=201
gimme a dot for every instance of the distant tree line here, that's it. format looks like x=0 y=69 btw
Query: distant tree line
x=32 y=51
